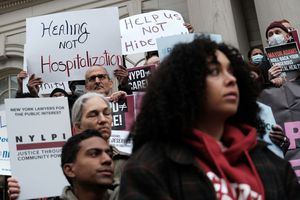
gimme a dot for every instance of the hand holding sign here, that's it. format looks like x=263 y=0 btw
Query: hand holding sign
x=122 y=75
x=33 y=85
x=274 y=71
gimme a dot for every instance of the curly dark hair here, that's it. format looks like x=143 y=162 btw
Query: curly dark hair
x=175 y=96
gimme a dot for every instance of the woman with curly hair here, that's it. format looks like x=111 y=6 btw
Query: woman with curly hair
x=194 y=137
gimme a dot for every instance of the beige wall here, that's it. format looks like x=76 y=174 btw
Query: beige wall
x=213 y=16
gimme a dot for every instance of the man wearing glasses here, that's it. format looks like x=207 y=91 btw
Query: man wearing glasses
x=97 y=80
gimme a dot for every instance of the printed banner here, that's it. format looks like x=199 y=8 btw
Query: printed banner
x=4 y=150
x=61 y=46
x=285 y=104
x=123 y=117
x=37 y=129
x=166 y=44
x=138 y=77
x=287 y=56
x=139 y=32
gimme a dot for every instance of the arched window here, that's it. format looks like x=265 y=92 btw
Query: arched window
x=8 y=85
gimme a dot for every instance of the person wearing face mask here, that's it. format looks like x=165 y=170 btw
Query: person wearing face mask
x=276 y=34
x=255 y=56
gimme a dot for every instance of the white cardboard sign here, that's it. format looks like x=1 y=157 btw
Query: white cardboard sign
x=37 y=129
x=266 y=114
x=4 y=150
x=61 y=46
x=139 y=32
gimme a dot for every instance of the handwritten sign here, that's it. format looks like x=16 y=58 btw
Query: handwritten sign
x=140 y=31
x=166 y=44
x=4 y=150
x=138 y=77
x=287 y=56
x=47 y=88
x=123 y=117
x=43 y=126
x=61 y=47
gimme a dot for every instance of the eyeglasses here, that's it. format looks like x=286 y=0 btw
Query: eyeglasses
x=99 y=76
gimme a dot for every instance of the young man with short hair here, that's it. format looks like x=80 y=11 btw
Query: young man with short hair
x=87 y=164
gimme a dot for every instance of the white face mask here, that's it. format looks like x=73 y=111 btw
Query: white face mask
x=276 y=39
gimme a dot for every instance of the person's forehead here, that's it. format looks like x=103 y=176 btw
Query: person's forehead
x=96 y=70
x=94 y=143
x=255 y=51
x=58 y=93
x=94 y=103
x=222 y=58
x=153 y=60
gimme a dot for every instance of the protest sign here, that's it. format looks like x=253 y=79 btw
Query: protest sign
x=139 y=32
x=45 y=88
x=61 y=46
x=4 y=150
x=138 y=77
x=287 y=56
x=285 y=104
x=37 y=129
x=267 y=116
x=123 y=117
x=166 y=44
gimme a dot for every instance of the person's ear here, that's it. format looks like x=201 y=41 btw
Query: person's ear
x=68 y=170
x=77 y=127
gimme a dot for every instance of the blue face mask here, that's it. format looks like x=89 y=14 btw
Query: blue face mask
x=256 y=59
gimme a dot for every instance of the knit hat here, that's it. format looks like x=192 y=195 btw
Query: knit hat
x=278 y=25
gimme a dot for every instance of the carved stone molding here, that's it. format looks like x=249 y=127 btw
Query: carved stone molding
x=11 y=5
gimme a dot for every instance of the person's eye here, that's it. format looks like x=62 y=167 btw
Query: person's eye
x=93 y=153
x=92 y=78
x=270 y=34
x=231 y=71
x=109 y=153
x=93 y=114
x=213 y=70
x=107 y=112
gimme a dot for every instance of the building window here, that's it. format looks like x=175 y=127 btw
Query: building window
x=8 y=87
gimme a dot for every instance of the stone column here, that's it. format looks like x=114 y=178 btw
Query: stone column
x=214 y=16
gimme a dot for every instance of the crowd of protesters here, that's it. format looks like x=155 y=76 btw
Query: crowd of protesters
x=197 y=135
